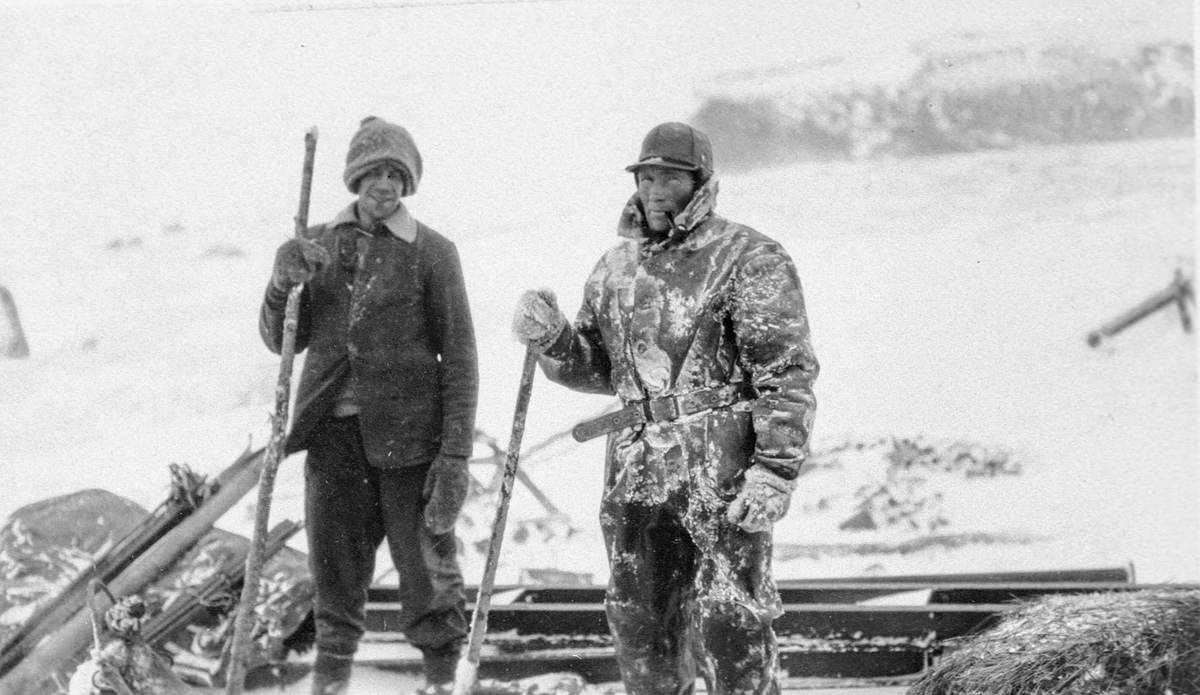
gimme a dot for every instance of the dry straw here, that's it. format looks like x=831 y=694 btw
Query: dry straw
x=1129 y=643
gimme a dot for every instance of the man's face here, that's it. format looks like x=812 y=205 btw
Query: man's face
x=664 y=193
x=379 y=192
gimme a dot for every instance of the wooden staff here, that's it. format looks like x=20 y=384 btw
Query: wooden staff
x=239 y=652
x=468 y=665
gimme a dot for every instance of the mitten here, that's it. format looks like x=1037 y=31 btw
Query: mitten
x=445 y=491
x=763 y=500
x=538 y=320
x=296 y=261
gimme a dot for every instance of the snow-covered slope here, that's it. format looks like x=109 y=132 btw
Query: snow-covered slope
x=956 y=93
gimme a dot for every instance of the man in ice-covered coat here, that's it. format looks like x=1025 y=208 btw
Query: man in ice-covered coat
x=698 y=324
x=385 y=409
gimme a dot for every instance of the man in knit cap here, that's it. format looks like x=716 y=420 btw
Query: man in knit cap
x=698 y=324
x=385 y=408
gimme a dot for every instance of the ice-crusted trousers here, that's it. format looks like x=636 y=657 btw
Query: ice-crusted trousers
x=352 y=508
x=689 y=594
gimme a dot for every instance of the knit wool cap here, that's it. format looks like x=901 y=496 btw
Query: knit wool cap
x=379 y=141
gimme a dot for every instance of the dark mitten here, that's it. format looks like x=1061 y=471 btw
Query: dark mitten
x=296 y=261
x=445 y=491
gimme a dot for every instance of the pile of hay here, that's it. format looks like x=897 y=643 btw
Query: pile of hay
x=1133 y=643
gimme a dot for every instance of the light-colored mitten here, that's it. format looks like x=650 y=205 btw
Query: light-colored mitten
x=764 y=499
x=538 y=320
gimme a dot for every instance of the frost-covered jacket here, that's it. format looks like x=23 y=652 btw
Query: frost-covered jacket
x=714 y=303
x=391 y=315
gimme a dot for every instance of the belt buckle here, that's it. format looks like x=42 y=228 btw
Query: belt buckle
x=663 y=408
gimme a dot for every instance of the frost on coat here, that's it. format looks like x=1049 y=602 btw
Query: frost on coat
x=390 y=318
x=713 y=303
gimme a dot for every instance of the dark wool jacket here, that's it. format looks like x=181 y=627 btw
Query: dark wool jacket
x=391 y=316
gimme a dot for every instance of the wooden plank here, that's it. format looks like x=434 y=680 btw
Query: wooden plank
x=595 y=665
x=824 y=631
x=815 y=621
x=915 y=623
x=599 y=665
x=524 y=619
x=857 y=588
x=948 y=592
x=1101 y=574
x=59 y=650
x=978 y=593
x=805 y=664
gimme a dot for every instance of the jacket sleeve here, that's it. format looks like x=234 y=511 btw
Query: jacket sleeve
x=772 y=332
x=453 y=336
x=274 y=306
x=578 y=359
x=271 y=318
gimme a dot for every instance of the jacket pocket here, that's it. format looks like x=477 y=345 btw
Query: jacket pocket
x=728 y=443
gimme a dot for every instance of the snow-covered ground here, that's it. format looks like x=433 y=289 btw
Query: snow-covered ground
x=151 y=166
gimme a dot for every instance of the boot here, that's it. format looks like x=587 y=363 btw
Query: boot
x=440 y=663
x=331 y=674
x=322 y=685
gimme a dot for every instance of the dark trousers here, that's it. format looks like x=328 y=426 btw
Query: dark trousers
x=677 y=610
x=689 y=593
x=352 y=507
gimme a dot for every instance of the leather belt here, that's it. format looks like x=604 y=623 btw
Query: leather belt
x=662 y=409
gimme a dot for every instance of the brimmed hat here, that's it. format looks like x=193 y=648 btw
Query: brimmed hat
x=676 y=146
x=378 y=141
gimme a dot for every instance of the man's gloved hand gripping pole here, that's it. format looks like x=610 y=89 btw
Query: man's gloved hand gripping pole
x=538 y=320
x=295 y=262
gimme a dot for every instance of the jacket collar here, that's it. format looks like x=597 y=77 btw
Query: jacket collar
x=632 y=223
x=400 y=223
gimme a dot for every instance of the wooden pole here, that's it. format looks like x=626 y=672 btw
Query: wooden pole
x=12 y=337
x=468 y=665
x=243 y=626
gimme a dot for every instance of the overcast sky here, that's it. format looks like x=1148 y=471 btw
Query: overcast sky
x=161 y=112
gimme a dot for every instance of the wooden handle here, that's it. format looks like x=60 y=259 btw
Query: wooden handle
x=484 y=598
x=243 y=625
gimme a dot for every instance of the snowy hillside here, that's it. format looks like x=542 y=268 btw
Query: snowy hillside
x=958 y=93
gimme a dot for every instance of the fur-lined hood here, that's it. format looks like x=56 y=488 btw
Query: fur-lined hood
x=632 y=224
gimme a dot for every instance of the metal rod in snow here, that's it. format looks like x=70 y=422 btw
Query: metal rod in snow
x=1179 y=292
